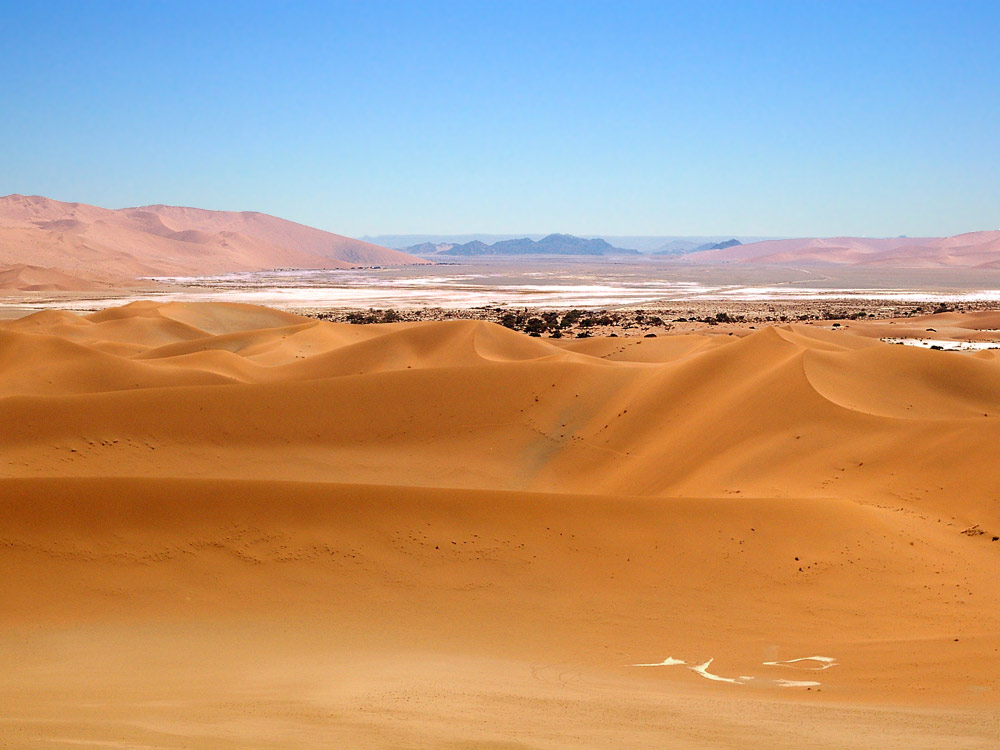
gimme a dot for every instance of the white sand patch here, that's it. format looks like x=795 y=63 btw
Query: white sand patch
x=815 y=663
x=796 y=683
x=668 y=662
x=702 y=669
x=811 y=663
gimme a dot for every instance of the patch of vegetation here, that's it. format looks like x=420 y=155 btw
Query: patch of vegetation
x=535 y=326
x=570 y=318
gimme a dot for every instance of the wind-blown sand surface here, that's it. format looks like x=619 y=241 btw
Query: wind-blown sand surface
x=224 y=526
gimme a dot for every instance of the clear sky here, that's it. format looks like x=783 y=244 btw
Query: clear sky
x=752 y=118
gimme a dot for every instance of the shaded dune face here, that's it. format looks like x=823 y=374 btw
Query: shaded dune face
x=184 y=478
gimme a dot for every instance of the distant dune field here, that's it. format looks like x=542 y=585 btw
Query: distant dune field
x=226 y=526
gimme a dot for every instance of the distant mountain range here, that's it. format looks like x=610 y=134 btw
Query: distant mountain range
x=718 y=245
x=971 y=250
x=553 y=244
x=431 y=244
x=429 y=248
x=48 y=245
x=674 y=249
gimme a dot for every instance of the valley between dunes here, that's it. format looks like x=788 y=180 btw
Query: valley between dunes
x=226 y=526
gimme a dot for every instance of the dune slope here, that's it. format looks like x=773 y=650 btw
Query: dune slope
x=429 y=534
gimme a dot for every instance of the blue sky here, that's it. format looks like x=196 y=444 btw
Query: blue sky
x=752 y=118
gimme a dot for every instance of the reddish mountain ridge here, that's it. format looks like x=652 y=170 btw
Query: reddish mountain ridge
x=970 y=250
x=100 y=246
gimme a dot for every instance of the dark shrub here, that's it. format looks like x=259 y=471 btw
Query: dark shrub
x=570 y=318
x=358 y=318
x=535 y=326
x=509 y=320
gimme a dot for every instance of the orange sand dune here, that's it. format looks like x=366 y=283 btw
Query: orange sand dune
x=229 y=526
x=98 y=247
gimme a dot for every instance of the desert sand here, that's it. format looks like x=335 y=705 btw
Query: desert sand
x=226 y=526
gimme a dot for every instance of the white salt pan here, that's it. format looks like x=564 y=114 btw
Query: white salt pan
x=951 y=346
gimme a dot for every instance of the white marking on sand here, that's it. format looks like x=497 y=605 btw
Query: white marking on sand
x=702 y=669
x=668 y=662
x=810 y=663
x=824 y=662
x=796 y=683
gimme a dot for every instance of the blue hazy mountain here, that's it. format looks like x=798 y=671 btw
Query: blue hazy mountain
x=553 y=244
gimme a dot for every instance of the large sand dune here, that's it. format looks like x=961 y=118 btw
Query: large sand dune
x=229 y=526
x=77 y=246
x=969 y=250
